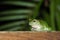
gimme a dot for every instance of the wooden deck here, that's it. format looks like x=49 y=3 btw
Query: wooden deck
x=29 y=35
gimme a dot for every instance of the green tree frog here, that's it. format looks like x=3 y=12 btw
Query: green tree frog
x=39 y=25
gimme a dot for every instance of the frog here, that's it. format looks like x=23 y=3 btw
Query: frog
x=39 y=25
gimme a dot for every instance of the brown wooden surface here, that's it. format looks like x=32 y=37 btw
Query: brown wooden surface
x=29 y=35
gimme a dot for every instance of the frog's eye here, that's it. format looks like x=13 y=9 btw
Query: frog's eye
x=34 y=21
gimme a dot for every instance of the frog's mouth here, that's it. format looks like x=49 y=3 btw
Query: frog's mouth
x=35 y=29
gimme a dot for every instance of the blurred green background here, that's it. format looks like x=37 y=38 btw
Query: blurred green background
x=15 y=14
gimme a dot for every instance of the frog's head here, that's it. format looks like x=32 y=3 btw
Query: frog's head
x=35 y=24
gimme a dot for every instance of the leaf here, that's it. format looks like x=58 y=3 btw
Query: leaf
x=20 y=3
x=57 y=15
x=13 y=17
x=15 y=12
x=12 y=25
x=52 y=13
x=36 y=10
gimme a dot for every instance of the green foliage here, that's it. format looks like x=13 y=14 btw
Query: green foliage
x=57 y=14
x=15 y=14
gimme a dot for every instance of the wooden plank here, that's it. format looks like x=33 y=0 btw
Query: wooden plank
x=29 y=35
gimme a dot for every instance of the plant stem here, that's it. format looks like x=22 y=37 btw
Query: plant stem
x=36 y=10
x=52 y=11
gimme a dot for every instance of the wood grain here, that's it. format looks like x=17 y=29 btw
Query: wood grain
x=29 y=35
